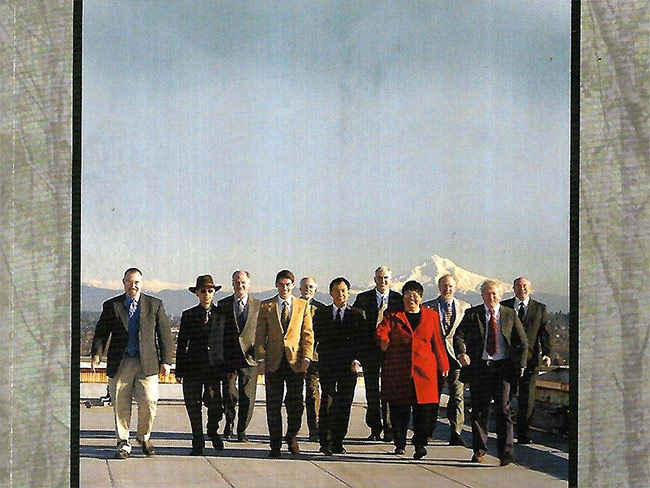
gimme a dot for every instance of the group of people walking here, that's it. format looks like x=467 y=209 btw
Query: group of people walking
x=408 y=350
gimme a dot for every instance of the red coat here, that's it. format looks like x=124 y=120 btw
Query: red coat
x=412 y=358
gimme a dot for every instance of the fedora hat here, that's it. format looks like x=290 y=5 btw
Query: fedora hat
x=204 y=281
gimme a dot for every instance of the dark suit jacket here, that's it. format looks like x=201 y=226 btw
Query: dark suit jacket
x=367 y=301
x=156 y=339
x=337 y=345
x=315 y=305
x=239 y=339
x=470 y=339
x=536 y=326
x=192 y=350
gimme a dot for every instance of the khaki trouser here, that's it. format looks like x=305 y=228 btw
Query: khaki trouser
x=130 y=382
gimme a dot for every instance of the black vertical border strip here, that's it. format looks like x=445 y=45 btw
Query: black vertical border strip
x=574 y=248
x=76 y=244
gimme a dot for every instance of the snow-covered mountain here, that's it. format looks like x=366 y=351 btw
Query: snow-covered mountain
x=426 y=273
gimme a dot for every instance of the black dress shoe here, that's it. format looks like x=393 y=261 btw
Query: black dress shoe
x=217 y=442
x=292 y=445
x=121 y=454
x=420 y=452
x=373 y=437
x=275 y=453
x=388 y=437
x=339 y=450
x=456 y=440
x=478 y=457
x=400 y=450
x=196 y=451
x=506 y=459
x=147 y=448
x=313 y=437
x=326 y=450
x=227 y=432
x=242 y=437
x=524 y=440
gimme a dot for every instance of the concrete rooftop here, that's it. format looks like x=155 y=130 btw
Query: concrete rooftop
x=542 y=464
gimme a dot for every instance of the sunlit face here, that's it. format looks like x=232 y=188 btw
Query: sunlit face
x=240 y=284
x=491 y=296
x=132 y=284
x=412 y=301
x=308 y=288
x=285 y=287
x=340 y=294
x=447 y=287
x=522 y=288
x=206 y=295
x=382 y=280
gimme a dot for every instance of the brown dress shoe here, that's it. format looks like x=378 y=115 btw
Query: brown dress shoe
x=292 y=445
x=506 y=459
x=217 y=443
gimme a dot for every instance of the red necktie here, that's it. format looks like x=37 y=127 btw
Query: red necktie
x=492 y=334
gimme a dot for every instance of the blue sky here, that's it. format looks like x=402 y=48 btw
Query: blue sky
x=325 y=137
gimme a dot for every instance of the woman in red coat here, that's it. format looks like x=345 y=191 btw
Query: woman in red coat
x=414 y=353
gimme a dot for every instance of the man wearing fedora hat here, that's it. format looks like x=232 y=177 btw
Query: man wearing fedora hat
x=141 y=346
x=202 y=380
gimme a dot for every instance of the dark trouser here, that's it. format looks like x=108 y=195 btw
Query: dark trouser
x=241 y=390
x=312 y=397
x=196 y=392
x=334 y=414
x=377 y=414
x=455 y=405
x=492 y=382
x=526 y=401
x=275 y=383
x=400 y=415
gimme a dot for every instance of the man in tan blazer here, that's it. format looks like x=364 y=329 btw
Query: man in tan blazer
x=451 y=312
x=284 y=344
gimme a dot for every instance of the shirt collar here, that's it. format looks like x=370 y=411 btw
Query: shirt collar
x=496 y=309
x=244 y=299
x=282 y=300
x=525 y=302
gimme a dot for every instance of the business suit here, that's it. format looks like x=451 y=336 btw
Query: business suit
x=283 y=352
x=134 y=376
x=491 y=379
x=201 y=380
x=337 y=350
x=456 y=403
x=312 y=390
x=377 y=417
x=240 y=355
x=536 y=325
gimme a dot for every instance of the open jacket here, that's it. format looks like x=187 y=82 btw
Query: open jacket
x=413 y=357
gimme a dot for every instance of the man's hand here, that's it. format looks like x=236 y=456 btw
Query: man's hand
x=94 y=362
x=179 y=380
x=304 y=364
x=260 y=367
x=356 y=366
x=521 y=372
x=463 y=359
x=165 y=369
x=546 y=361
x=383 y=345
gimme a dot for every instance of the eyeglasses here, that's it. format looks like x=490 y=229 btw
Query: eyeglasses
x=209 y=290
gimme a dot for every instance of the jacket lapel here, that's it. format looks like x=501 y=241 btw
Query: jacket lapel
x=120 y=308
x=506 y=324
x=144 y=310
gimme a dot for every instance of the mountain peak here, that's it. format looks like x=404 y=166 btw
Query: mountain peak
x=433 y=268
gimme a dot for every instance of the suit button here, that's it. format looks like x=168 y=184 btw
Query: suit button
x=208 y=348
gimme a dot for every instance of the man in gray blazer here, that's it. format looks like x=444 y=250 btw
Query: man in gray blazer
x=141 y=347
x=239 y=313
x=451 y=312
x=534 y=318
